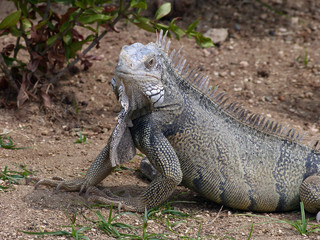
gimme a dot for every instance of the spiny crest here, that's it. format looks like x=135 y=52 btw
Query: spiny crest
x=178 y=62
x=201 y=82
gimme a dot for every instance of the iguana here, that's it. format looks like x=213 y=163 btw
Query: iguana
x=193 y=135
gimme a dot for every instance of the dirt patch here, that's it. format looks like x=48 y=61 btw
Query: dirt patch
x=270 y=63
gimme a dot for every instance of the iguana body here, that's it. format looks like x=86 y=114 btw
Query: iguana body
x=192 y=136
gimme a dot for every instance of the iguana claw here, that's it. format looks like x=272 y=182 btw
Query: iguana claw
x=93 y=194
x=78 y=184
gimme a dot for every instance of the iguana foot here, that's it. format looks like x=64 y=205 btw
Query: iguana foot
x=93 y=194
x=77 y=184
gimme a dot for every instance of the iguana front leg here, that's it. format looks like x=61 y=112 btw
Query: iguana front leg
x=124 y=150
x=163 y=157
x=99 y=169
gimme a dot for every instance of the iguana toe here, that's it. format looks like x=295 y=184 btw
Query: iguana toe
x=78 y=184
x=93 y=194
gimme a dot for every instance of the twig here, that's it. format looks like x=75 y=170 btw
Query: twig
x=7 y=73
x=24 y=36
x=16 y=49
x=46 y=13
x=93 y=43
x=218 y=214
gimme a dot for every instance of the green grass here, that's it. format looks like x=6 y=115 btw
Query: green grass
x=170 y=218
x=277 y=11
x=82 y=139
x=305 y=59
x=7 y=143
x=76 y=232
x=110 y=226
x=302 y=226
x=14 y=177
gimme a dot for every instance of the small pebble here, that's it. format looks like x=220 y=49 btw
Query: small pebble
x=244 y=64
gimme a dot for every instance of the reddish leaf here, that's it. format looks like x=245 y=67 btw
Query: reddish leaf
x=43 y=66
x=56 y=55
x=7 y=49
x=35 y=37
x=65 y=17
x=76 y=36
x=36 y=56
x=22 y=95
x=32 y=14
x=3 y=83
x=86 y=64
x=33 y=65
x=45 y=96
x=93 y=57
x=3 y=31
x=109 y=9
x=42 y=8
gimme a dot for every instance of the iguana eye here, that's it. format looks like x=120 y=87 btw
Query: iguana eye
x=149 y=63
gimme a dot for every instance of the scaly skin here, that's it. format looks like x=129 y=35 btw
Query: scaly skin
x=221 y=152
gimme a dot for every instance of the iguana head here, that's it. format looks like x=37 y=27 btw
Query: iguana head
x=138 y=75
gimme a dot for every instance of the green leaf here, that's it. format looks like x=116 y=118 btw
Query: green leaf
x=89 y=19
x=41 y=24
x=138 y=4
x=161 y=26
x=26 y=23
x=176 y=30
x=8 y=61
x=10 y=20
x=192 y=26
x=52 y=39
x=203 y=41
x=143 y=23
x=142 y=20
x=15 y=31
x=67 y=38
x=163 y=10
x=90 y=28
x=81 y=4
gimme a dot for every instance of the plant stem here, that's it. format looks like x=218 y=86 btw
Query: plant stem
x=16 y=49
x=46 y=14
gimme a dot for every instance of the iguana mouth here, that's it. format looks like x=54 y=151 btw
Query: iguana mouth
x=130 y=76
x=148 y=84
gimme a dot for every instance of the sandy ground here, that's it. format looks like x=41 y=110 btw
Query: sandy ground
x=258 y=66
